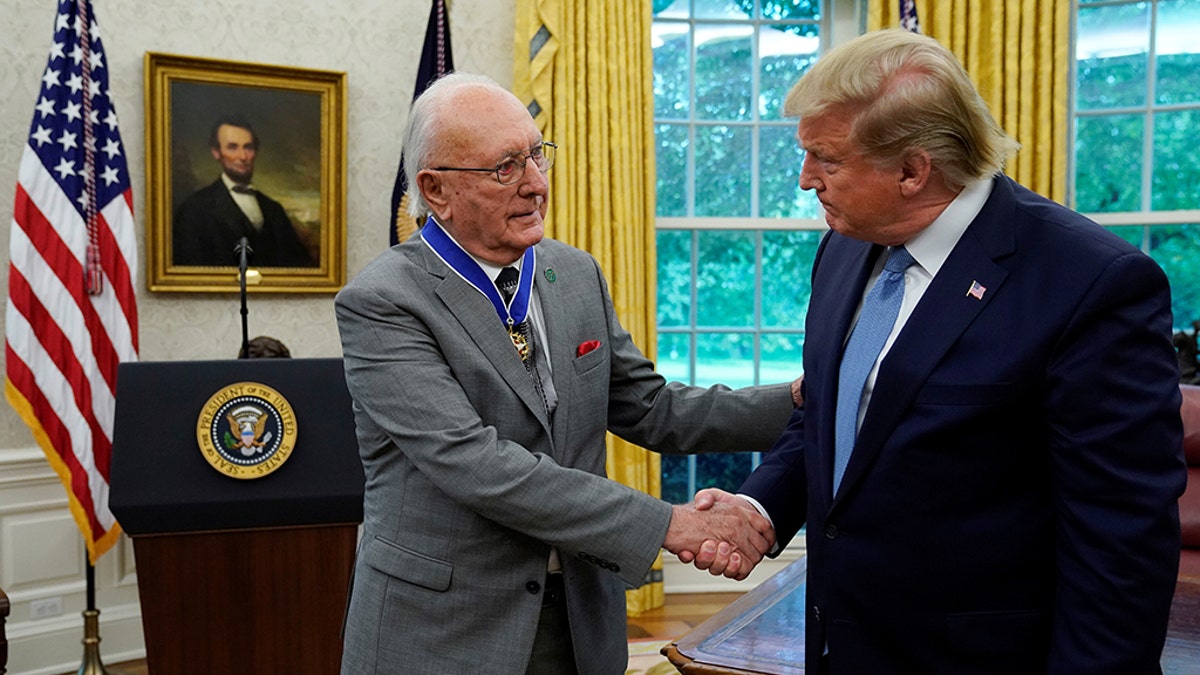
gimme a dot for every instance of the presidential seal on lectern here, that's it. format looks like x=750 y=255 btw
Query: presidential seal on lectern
x=246 y=430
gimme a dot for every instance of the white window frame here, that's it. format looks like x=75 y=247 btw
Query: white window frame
x=844 y=20
x=1143 y=216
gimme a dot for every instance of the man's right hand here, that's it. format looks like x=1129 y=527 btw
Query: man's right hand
x=721 y=532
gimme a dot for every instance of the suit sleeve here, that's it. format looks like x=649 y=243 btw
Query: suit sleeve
x=780 y=483
x=1112 y=408
x=673 y=418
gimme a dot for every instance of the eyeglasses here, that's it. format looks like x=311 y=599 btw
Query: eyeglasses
x=512 y=168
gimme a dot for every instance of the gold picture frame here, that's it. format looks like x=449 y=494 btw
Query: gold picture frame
x=295 y=126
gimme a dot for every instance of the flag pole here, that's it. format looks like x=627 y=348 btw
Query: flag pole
x=92 y=665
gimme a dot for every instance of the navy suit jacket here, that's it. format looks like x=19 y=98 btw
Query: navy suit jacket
x=208 y=225
x=1010 y=504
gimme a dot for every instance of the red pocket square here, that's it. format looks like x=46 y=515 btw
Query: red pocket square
x=586 y=347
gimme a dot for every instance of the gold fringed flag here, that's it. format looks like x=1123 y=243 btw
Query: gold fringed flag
x=72 y=311
x=436 y=60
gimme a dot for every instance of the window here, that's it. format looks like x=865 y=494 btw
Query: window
x=1136 y=109
x=736 y=235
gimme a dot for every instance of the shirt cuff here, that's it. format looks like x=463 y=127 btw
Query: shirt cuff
x=763 y=512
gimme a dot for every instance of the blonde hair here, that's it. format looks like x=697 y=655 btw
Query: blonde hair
x=906 y=91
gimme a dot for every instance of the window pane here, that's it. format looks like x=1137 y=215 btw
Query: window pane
x=723 y=157
x=779 y=161
x=1176 y=163
x=1112 y=42
x=674 y=277
x=782 y=357
x=672 y=47
x=1177 y=249
x=723 y=71
x=787 y=268
x=674 y=357
x=725 y=278
x=671 y=160
x=725 y=470
x=1108 y=163
x=675 y=9
x=725 y=358
x=675 y=483
x=1134 y=234
x=724 y=9
x=784 y=53
x=791 y=9
x=1178 y=50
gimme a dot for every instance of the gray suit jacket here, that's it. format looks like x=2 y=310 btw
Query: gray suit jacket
x=469 y=485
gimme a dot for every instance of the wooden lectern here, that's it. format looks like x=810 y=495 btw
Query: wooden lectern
x=238 y=575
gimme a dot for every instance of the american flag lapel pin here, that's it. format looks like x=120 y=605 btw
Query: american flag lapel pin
x=976 y=290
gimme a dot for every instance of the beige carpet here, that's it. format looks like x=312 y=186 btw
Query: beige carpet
x=645 y=659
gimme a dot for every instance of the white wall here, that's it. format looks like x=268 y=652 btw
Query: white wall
x=377 y=43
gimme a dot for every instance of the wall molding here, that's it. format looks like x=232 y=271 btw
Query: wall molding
x=55 y=646
x=43 y=559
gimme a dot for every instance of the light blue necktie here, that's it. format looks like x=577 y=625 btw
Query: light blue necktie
x=875 y=322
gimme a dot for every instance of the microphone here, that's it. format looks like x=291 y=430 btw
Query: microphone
x=243 y=251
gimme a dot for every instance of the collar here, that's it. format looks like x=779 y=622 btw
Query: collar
x=491 y=270
x=229 y=182
x=933 y=245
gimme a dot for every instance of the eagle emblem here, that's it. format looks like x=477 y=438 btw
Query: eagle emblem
x=246 y=427
x=246 y=430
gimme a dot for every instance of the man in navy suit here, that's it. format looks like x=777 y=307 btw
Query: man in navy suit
x=1008 y=503
x=210 y=222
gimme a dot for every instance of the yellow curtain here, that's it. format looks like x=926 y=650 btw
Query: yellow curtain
x=1017 y=53
x=584 y=70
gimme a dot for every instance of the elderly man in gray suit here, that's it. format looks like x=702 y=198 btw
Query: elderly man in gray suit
x=492 y=541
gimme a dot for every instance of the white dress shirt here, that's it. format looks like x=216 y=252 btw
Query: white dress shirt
x=246 y=201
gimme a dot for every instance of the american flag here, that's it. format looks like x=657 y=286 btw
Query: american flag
x=437 y=59
x=72 y=312
x=976 y=290
x=908 y=16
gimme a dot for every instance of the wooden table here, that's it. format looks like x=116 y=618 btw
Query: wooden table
x=762 y=632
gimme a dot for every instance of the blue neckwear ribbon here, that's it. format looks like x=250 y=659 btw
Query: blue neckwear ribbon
x=511 y=311
x=875 y=322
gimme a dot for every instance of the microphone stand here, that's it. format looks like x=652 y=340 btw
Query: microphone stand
x=243 y=249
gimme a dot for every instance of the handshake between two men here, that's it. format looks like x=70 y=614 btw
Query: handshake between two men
x=722 y=532
x=719 y=532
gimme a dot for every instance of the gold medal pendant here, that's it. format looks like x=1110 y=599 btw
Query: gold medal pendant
x=520 y=342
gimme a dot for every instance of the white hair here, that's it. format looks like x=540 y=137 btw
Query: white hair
x=426 y=121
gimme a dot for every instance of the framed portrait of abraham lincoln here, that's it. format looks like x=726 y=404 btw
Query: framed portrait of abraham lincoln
x=244 y=159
